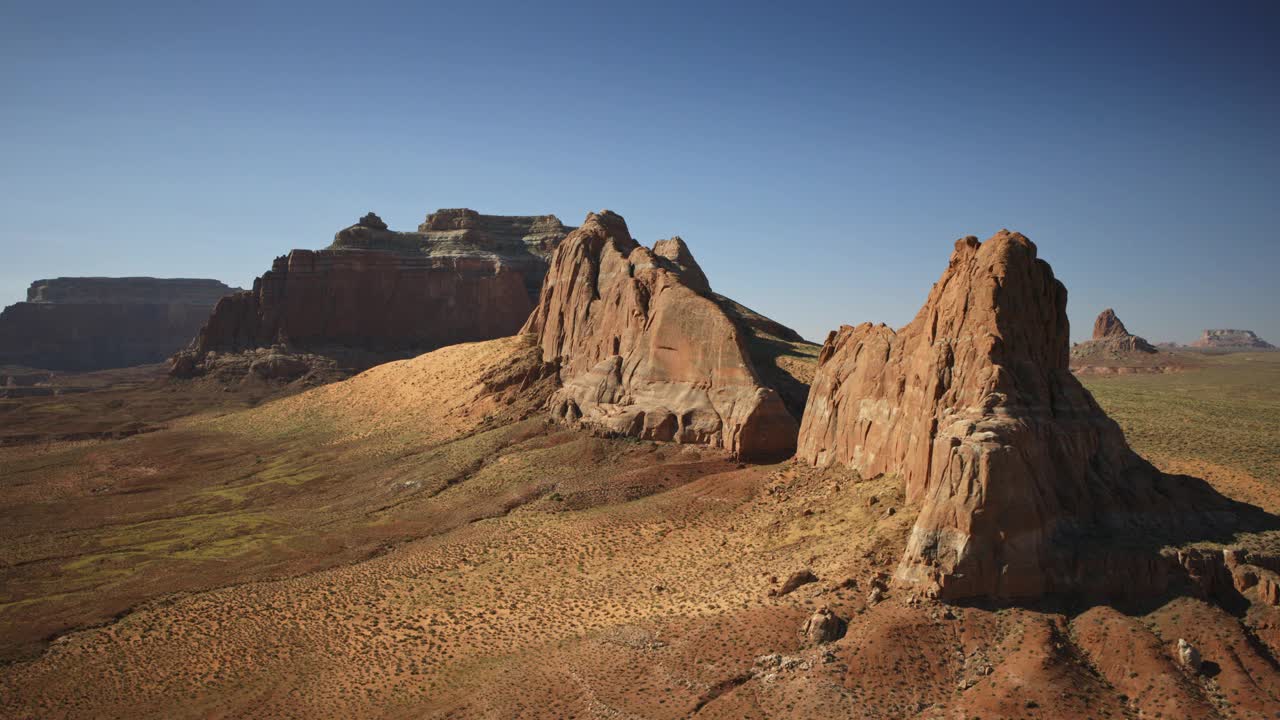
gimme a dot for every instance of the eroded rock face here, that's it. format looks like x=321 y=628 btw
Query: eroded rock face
x=973 y=405
x=1231 y=339
x=644 y=351
x=1108 y=325
x=1112 y=346
x=377 y=294
x=94 y=323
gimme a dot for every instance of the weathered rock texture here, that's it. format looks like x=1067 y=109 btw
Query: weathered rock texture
x=645 y=350
x=1108 y=325
x=93 y=323
x=1009 y=458
x=1228 y=339
x=375 y=293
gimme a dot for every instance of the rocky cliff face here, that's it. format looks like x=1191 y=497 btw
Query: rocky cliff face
x=93 y=323
x=1230 y=339
x=376 y=293
x=645 y=350
x=1009 y=458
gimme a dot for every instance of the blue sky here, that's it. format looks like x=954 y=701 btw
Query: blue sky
x=819 y=159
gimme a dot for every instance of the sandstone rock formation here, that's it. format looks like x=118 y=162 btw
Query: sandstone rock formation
x=1114 y=349
x=376 y=294
x=1012 y=463
x=93 y=323
x=1108 y=325
x=1231 y=339
x=644 y=349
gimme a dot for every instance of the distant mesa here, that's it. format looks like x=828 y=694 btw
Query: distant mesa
x=645 y=350
x=1014 y=466
x=95 y=323
x=377 y=294
x=1231 y=339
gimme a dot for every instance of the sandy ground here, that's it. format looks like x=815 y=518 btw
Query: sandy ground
x=492 y=565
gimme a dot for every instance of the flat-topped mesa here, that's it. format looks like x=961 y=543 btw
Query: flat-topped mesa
x=644 y=351
x=1231 y=339
x=973 y=405
x=94 y=323
x=127 y=290
x=377 y=293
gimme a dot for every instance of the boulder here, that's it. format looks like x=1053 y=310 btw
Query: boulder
x=645 y=352
x=1188 y=656
x=1010 y=460
x=824 y=626
x=796 y=579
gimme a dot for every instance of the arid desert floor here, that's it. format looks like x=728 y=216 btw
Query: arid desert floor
x=420 y=541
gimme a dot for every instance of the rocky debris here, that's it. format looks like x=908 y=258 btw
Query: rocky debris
x=1011 y=461
x=95 y=323
x=1188 y=656
x=767 y=667
x=644 y=351
x=379 y=294
x=824 y=627
x=796 y=579
x=277 y=365
x=1231 y=339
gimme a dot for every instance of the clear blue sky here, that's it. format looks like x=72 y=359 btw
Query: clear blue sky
x=819 y=159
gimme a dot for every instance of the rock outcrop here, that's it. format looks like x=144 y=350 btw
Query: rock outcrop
x=377 y=294
x=1114 y=349
x=1108 y=325
x=94 y=323
x=1013 y=465
x=1230 y=339
x=646 y=351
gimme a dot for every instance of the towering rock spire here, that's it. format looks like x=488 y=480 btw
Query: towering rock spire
x=974 y=406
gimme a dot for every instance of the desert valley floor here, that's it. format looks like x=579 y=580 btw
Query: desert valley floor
x=420 y=541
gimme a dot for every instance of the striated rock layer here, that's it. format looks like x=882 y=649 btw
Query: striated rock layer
x=377 y=293
x=645 y=350
x=1230 y=339
x=1012 y=463
x=94 y=323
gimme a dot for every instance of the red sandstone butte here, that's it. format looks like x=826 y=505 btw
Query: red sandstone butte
x=645 y=351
